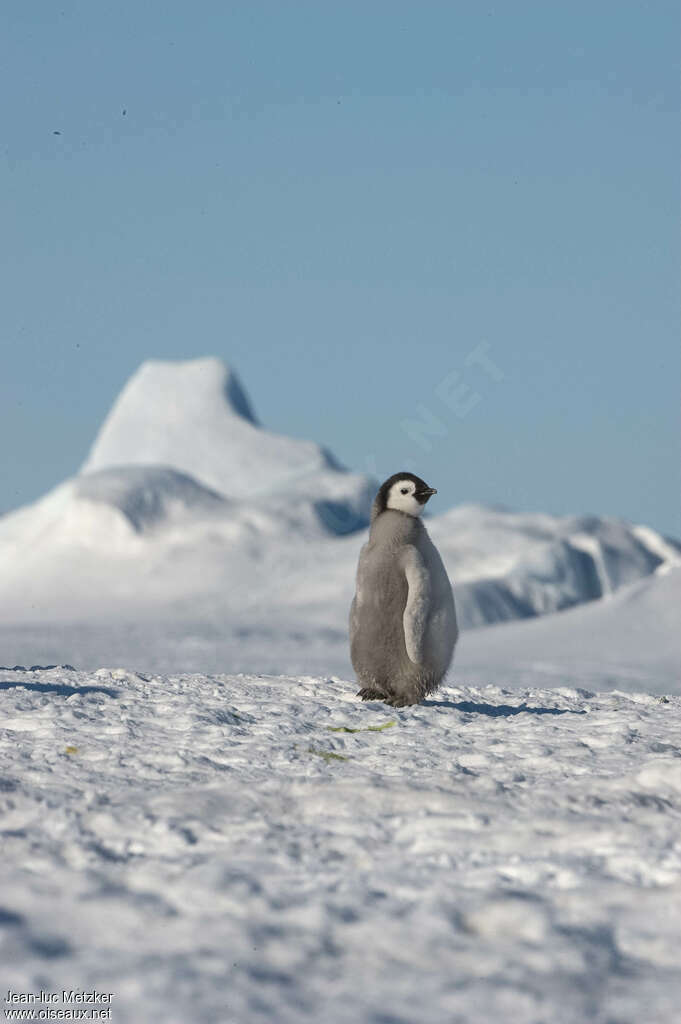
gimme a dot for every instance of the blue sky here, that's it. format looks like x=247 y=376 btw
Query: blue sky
x=350 y=203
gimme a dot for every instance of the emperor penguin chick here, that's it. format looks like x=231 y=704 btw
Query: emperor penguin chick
x=402 y=621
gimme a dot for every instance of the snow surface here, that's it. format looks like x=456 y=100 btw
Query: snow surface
x=229 y=848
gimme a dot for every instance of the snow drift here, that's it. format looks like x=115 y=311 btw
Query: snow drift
x=187 y=509
x=509 y=565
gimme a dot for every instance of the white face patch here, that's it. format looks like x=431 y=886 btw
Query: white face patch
x=401 y=497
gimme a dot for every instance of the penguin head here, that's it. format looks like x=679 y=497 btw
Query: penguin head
x=403 y=492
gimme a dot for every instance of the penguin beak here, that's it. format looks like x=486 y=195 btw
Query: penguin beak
x=424 y=494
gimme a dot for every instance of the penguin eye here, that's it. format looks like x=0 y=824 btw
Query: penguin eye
x=405 y=490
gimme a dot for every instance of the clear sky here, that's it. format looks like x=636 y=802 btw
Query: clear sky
x=390 y=218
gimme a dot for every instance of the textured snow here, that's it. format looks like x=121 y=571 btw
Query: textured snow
x=229 y=848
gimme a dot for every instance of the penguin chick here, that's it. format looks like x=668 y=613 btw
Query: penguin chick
x=402 y=621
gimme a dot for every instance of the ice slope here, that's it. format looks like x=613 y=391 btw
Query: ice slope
x=257 y=849
x=631 y=639
x=511 y=565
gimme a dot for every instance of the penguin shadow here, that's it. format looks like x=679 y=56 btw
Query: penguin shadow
x=61 y=689
x=498 y=710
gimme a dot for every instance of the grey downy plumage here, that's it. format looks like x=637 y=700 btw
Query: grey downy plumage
x=403 y=625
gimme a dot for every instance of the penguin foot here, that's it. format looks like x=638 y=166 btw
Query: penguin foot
x=399 y=702
x=366 y=693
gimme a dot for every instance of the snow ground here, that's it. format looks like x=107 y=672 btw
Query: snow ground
x=218 y=849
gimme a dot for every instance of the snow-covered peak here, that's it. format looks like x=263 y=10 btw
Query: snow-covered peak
x=196 y=417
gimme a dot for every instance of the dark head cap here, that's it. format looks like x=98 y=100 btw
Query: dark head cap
x=416 y=491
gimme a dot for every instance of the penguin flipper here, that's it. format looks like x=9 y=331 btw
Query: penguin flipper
x=415 y=616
